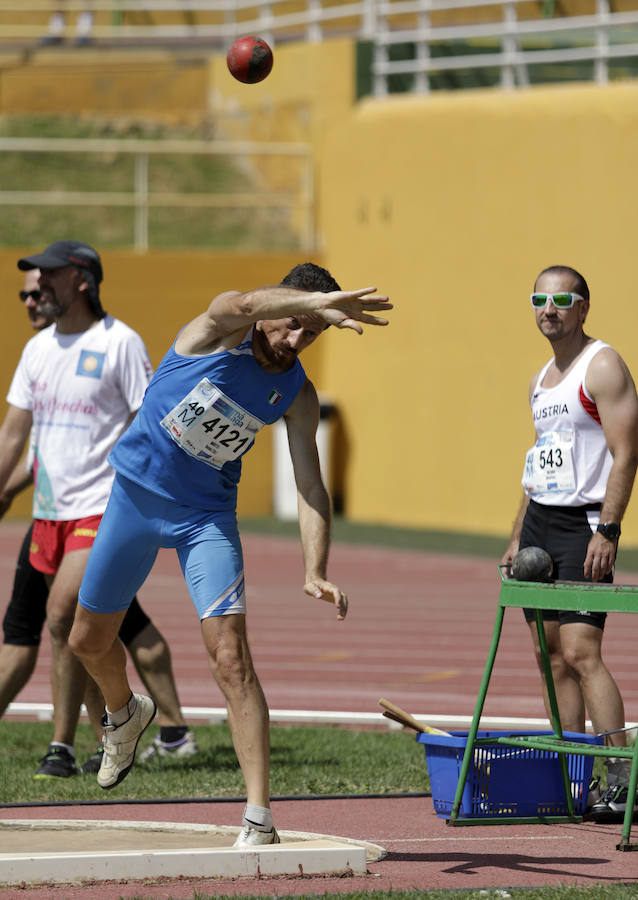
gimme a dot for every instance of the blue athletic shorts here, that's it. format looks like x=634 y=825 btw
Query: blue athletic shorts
x=134 y=527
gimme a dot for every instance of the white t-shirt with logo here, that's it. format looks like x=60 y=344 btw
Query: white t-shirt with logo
x=82 y=390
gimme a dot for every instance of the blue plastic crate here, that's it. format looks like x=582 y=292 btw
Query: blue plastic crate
x=504 y=780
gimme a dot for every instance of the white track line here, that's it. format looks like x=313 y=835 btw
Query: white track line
x=216 y=714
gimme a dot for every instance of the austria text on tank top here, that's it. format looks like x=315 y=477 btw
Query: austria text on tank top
x=199 y=416
x=569 y=463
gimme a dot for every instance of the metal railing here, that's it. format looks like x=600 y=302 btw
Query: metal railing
x=219 y=21
x=299 y=200
x=507 y=42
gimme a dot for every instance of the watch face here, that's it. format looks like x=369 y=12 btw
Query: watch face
x=610 y=530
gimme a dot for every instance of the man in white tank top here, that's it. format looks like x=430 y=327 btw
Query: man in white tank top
x=577 y=480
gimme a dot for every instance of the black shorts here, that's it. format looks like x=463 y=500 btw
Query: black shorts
x=564 y=532
x=27 y=610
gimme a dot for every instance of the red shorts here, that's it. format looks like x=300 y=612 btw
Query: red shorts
x=52 y=539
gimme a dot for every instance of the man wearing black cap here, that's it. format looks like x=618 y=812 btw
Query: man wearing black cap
x=25 y=616
x=76 y=388
x=69 y=255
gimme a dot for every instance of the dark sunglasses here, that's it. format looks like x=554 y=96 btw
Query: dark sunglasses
x=34 y=294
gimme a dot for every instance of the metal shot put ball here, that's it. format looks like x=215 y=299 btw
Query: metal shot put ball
x=532 y=564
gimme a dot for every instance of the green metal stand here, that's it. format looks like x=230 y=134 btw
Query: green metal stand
x=536 y=596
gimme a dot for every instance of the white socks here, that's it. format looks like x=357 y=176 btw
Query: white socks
x=258 y=817
x=120 y=716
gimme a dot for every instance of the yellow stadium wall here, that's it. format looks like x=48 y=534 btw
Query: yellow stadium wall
x=155 y=294
x=452 y=204
x=157 y=83
x=188 y=87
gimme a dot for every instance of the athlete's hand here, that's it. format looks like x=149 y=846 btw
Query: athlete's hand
x=346 y=309
x=326 y=590
x=508 y=557
x=601 y=556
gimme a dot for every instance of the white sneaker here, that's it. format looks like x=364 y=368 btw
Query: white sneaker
x=159 y=749
x=120 y=743
x=252 y=837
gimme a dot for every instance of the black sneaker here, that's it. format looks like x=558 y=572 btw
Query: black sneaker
x=612 y=803
x=594 y=793
x=93 y=763
x=58 y=763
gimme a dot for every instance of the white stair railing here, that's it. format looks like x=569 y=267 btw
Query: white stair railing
x=298 y=200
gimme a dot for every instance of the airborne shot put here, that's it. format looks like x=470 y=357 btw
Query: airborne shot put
x=578 y=479
x=231 y=370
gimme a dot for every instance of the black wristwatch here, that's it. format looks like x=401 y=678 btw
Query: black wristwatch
x=610 y=530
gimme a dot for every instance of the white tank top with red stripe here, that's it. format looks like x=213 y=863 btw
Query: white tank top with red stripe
x=569 y=463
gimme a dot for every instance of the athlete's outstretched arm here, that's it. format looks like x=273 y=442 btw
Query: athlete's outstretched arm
x=313 y=501
x=231 y=313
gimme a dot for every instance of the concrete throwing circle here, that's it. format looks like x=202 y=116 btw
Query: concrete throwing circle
x=51 y=850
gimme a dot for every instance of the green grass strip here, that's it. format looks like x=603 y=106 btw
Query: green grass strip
x=452 y=542
x=305 y=760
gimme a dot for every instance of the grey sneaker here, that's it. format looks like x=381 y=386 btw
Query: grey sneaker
x=120 y=743
x=252 y=837
x=159 y=749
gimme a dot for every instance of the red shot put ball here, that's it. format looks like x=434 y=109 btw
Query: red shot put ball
x=249 y=59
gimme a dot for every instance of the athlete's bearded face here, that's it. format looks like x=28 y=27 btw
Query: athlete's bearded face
x=555 y=323
x=58 y=290
x=278 y=342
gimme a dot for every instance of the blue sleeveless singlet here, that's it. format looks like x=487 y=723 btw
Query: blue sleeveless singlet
x=199 y=416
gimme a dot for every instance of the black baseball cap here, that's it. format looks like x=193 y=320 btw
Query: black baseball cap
x=65 y=253
x=70 y=253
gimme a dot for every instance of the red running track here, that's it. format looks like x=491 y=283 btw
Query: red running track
x=418 y=632
x=423 y=853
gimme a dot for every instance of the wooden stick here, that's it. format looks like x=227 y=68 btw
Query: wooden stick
x=400 y=715
x=390 y=715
